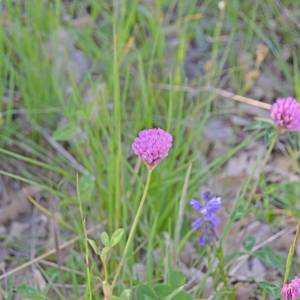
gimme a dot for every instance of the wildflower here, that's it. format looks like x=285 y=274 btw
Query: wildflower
x=291 y=291
x=285 y=113
x=152 y=145
x=208 y=220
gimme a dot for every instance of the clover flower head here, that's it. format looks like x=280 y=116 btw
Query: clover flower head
x=207 y=222
x=291 y=291
x=285 y=113
x=152 y=145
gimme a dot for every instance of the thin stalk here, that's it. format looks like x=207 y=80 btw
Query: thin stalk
x=49 y=214
x=86 y=247
x=181 y=212
x=291 y=255
x=221 y=266
x=34 y=162
x=117 y=117
x=242 y=99
x=133 y=228
x=104 y=268
x=31 y=182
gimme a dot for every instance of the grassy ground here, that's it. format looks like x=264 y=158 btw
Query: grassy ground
x=80 y=79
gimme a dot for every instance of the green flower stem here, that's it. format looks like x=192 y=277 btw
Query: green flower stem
x=103 y=260
x=221 y=265
x=291 y=255
x=133 y=228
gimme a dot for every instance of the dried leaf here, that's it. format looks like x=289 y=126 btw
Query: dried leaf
x=250 y=78
x=262 y=52
x=129 y=44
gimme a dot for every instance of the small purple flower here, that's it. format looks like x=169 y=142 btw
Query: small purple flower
x=285 y=113
x=291 y=291
x=208 y=220
x=203 y=240
x=152 y=145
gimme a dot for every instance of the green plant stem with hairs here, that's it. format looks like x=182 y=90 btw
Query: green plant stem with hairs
x=132 y=230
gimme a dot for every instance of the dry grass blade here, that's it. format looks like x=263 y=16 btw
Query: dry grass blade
x=49 y=214
x=220 y=92
x=66 y=269
x=77 y=166
x=242 y=99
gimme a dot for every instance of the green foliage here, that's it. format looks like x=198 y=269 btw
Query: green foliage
x=176 y=279
x=261 y=124
x=108 y=242
x=272 y=289
x=293 y=138
x=249 y=242
x=145 y=292
x=271 y=259
x=116 y=237
x=105 y=239
x=270 y=135
x=265 y=125
x=172 y=289
x=93 y=245
x=29 y=292
x=86 y=187
x=240 y=211
x=125 y=295
x=64 y=133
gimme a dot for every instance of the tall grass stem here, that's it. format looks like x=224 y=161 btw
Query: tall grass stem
x=291 y=255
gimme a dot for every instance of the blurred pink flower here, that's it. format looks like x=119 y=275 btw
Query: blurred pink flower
x=285 y=113
x=291 y=291
x=152 y=145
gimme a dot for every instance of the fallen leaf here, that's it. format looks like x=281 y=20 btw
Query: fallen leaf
x=262 y=52
x=129 y=45
x=250 y=78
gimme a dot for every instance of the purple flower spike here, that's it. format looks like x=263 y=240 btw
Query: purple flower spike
x=202 y=241
x=195 y=204
x=291 y=291
x=152 y=145
x=197 y=223
x=208 y=220
x=213 y=205
x=285 y=113
x=206 y=196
